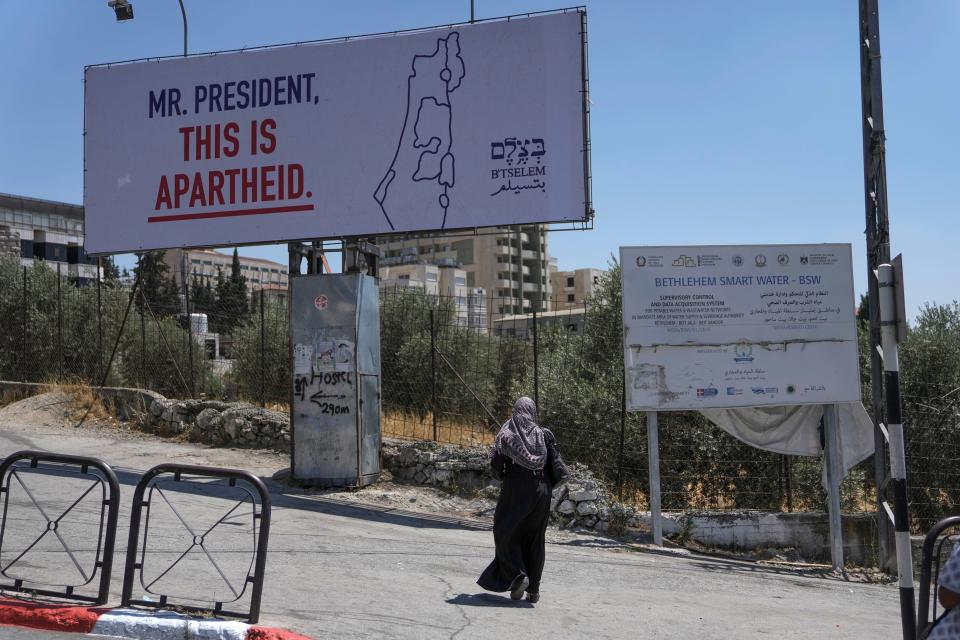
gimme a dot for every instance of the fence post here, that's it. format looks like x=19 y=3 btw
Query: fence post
x=788 y=472
x=263 y=355
x=23 y=345
x=99 y=323
x=143 y=345
x=186 y=302
x=536 y=362
x=433 y=373
x=59 y=325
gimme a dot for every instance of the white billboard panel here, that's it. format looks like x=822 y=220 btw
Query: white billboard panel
x=734 y=326
x=467 y=126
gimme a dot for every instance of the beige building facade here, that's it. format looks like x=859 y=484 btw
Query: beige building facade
x=204 y=263
x=571 y=289
x=510 y=265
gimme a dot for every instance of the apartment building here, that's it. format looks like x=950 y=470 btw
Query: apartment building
x=204 y=263
x=510 y=264
x=34 y=229
x=571 y=289
x=469 y=303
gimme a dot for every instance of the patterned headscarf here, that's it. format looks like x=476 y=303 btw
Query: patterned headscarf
x=521 y=438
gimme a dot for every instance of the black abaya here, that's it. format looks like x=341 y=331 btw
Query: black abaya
x=519 y=526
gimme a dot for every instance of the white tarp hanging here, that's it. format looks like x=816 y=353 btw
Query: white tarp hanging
x=794 y=430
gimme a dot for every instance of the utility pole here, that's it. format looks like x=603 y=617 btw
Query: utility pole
x=878 y=238
x=883 y=353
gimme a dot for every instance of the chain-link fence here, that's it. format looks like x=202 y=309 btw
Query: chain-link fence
x=449 y=377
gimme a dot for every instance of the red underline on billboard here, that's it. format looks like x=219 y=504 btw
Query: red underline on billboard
x=230 y=214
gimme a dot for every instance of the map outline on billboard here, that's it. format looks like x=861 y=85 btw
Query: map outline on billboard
x=726 y=326
x=433 y=129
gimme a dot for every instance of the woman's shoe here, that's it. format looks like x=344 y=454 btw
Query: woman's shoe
x=518 y=586
x=533 y=597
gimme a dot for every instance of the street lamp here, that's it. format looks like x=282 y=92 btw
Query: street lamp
x=124 y=11
x=122 y=8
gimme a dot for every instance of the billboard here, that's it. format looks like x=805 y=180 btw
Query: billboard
x=736 y=326
x=466 y=126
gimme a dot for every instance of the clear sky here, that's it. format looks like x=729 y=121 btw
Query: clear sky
x=733 y=122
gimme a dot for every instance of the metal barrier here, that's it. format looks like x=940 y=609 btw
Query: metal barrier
x=155 y=492
x=933 y=546
x=23 y=471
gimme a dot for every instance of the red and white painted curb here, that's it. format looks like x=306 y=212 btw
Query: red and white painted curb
x=133 y=623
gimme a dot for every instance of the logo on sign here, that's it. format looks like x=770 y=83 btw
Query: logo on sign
x=743 y=352
x=685 y=261
x=734 y=391
x=707 y=392
x=760 y=260
x=321 y=302
x=738 y=261
x=641 y=261
x=783 y=259
x=762 y=391
x=804 y=259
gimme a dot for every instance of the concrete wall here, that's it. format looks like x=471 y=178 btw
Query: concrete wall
x=808 y=533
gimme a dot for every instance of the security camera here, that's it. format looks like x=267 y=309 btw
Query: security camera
x=122 y=8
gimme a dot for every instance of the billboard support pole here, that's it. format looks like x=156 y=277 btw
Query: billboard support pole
x=834 y=473
x=653 y=462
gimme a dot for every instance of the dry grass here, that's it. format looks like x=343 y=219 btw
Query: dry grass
x=10 y=396
x=412 y=427
x=83 y=398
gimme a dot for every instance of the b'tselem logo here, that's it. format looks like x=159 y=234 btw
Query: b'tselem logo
x=522 y=167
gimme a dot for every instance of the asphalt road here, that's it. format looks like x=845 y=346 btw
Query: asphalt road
x=339 y=570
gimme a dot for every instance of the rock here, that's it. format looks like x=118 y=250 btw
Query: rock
x=419 y=477
x=156 y=408
x=589 y=522
x=560 y=492
x=583 y=495
x=443 y=475
x=206 y=417
x=566 y=507
x=587 y=508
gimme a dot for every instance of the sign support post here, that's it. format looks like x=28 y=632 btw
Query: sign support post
x=653 y=462
x=831 y=430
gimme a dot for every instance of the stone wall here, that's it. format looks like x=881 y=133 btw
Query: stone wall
x=235 y=424
x=582 y=502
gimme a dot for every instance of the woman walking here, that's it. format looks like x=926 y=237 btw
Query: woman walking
x=526 y=459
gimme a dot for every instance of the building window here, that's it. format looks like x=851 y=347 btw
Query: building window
x=570 y=297
x=569 y=282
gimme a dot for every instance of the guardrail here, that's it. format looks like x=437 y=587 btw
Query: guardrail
x=930 y=563
x=157 y=491
x=20 y=474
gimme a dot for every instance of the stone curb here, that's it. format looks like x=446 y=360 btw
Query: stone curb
x=132 y=623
